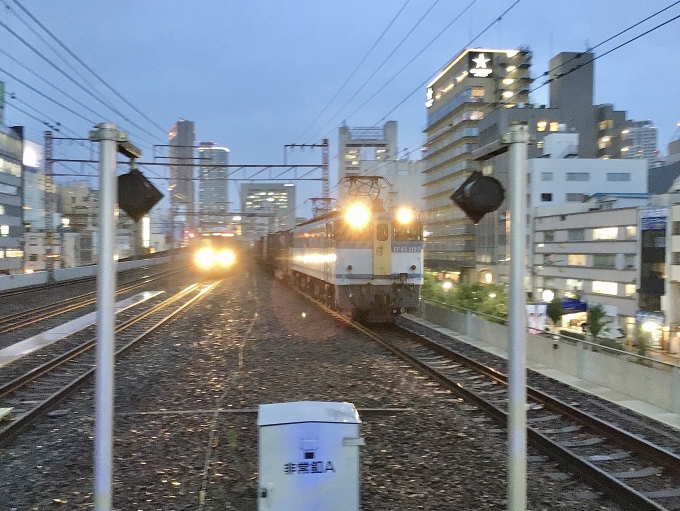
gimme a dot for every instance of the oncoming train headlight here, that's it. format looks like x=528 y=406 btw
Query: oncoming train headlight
x=226 y=258
x=405 y=215
x=357 y=215
x=205 y=258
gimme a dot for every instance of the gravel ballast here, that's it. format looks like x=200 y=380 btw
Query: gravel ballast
x=255 y=341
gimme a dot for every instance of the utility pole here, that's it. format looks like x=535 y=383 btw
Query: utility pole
x=110 y=142
x=49 y=207
x=518 y=139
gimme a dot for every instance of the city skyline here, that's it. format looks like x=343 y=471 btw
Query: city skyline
x=260 y=87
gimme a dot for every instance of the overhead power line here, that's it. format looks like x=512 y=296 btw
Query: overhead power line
x=361 y=87
x=499 y=18
x=69 y=77
x=355 y=69
x=94 y=73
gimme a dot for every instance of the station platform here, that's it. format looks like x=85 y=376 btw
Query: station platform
x=664 y=416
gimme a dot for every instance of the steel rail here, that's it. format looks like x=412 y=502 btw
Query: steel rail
x=623 y=494
x=24 y=420
x=25 y=318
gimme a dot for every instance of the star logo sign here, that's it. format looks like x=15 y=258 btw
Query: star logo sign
x=480 y=70
x=480 y=61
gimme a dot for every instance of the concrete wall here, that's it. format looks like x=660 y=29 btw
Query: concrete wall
x=8 y=282
x=640 y=378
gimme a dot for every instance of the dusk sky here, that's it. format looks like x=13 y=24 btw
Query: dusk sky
x=255 y=75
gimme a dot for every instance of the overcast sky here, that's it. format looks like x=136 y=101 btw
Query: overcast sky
x=255 y=75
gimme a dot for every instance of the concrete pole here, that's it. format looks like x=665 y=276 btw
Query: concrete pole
x=517 y=420
x=107 y=135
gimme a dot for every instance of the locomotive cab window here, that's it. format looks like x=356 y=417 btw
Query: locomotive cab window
x=346 y=232
x=382 y=232
x=408 y=232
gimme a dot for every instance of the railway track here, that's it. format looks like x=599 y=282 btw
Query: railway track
x=25 y=318
x=39 y=390
x=636 y=473
x=633 y=471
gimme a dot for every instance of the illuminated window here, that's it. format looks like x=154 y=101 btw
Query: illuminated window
x=477 y=95
x=507 y=81
x=605 y=288
x=631 y=231
x=576 y=259
x=606 y=233
x=554 y=126
x=541 y=125
x=2 y=209
x=574 y=284
x=4 y=230
x=630 y=289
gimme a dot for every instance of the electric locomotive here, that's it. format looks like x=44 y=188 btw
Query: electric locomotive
x=365 y=263
x=214 y=254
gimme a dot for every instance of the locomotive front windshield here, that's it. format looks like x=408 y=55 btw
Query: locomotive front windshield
x=412 y=231
x=344 y=231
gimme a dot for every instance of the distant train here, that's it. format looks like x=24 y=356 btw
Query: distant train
x=215 y=254
x=363 y=263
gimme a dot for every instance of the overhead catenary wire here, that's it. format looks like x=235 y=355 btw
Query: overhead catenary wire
x=47 y=43
x=69 y=77
x=351 y=75
x=375 y=71
x=82 y=63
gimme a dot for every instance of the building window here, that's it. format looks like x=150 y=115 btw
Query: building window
x=604 y=260
x=618 y=176
x=547 y=176
x=548 y=236
x=606 y=233
x=578 y=176
x=576 y=259
x=605 y=288
x=4 y=230
x=629 y=261
x=630 y=289
x=33 y=257
x=631 y=231
x=574 y=284
x=539 y=144
x=546 y=197
x=541 y=125
x=554 y=126
x=2 y=209
x=576 y=235
x=575 y=197
x=606 y=124
x=676 y=257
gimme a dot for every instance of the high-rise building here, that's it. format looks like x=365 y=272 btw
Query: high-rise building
x=475 y=82
x=11 y=212
x=213 y=187
x=640 y=139
x=182 y=197
x=357 y=144
x=267 y=207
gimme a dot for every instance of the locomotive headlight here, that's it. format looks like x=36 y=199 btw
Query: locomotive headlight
x=405 y=215
x=226 y=258
x=205 y=258
x=357 y=215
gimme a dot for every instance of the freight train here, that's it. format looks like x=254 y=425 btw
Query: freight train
x=364 y=263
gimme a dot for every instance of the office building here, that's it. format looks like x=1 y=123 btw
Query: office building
x=266 y=207
x=33 y=188
x=182 y=196
x=474 y=83
x=357 y=144
x=213 y=185
x=11 y=194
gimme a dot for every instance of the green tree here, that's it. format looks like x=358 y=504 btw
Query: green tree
x=555 y=311
x=596 y=322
